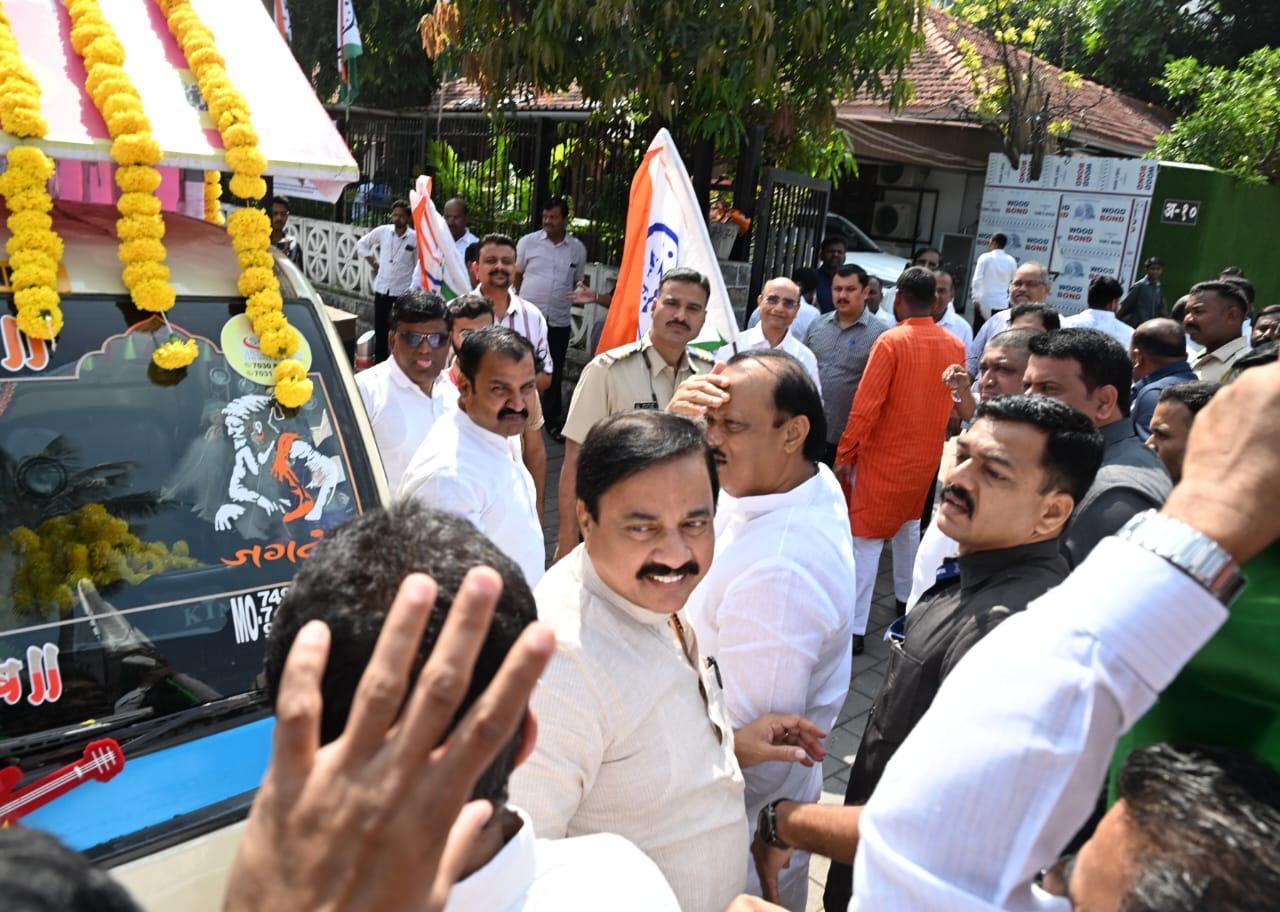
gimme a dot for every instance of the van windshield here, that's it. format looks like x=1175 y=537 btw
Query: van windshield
x=151 y=521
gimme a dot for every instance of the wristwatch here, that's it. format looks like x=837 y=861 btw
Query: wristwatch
x=767 y=824
x=1191 y=551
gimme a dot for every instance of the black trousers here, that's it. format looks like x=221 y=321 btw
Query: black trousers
x=553 y=397
x=381 y=326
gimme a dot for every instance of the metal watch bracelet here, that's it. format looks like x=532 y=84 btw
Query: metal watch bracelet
x=1191 y=551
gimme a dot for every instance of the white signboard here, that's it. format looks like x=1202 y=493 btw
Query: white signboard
x=1084 y=217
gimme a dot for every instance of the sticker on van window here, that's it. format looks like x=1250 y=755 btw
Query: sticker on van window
x=251 y=614
x=44 y=677
x=240 y=347
x=18 y=351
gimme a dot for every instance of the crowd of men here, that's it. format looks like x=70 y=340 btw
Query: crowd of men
x=721 y=523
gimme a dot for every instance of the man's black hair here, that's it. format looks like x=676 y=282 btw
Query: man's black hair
x=349 y=583
x=1072 y=448
x=1103 y=292
x=467 y=307
x=502 y=240
x=1194 y=394
x=417 y=306
x=1161 y=338
x=401 y=204
x=1246 y=287
x=921 y=251
x=1103 y=361
x=917 y=289
x=281 y=201
x=834 y=239
x=1227 y=290
x=806 y=279
x=466 y=210
x=1231 y=272
x=686 y=274
x=1153 y=261
x=1052 y=319
x=844 y=270
x=627 y=443
x=39 y=874
x=492 y=340
x=472 y=254
x=1000 y=239
x=557 y=202
x=794 y=393
x=1207 y=826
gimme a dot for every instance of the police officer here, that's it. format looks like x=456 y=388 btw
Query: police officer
x=640 y=375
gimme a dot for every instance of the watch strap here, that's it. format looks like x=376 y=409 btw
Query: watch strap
x=1191 y=551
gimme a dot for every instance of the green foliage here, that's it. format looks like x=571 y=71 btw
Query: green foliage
x=1232 y=116
x=707 y=71
x=505 y=199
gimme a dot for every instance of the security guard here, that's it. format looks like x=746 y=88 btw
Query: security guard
x=639 y=375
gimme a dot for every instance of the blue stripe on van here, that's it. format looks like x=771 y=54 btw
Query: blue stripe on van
x=160 y=786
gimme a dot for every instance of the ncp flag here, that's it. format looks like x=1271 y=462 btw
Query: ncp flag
x=349 y=48
x=440 y=267
x=283 y=23
x=665 y=229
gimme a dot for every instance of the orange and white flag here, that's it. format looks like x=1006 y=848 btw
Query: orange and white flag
x=440 y=266
x=665 y=229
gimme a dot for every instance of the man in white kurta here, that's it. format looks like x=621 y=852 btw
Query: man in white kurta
x=775 y=611
x=778 y=305
x=470 y=461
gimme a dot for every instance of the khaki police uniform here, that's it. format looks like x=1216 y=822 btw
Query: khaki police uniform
x=632 y=376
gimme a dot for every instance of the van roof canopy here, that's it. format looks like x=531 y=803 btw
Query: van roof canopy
x=295 y=132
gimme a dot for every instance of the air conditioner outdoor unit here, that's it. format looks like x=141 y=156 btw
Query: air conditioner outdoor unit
x=894 y=220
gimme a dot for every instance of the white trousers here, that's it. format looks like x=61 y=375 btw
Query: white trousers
x=866 y=560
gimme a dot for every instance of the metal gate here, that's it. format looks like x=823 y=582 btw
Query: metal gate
x=791 y=217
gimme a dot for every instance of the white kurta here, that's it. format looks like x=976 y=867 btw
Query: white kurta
x=464 y=469
x=957 y=325
x=626 y=743
x=1008 y=762
x=754 y=338
x=776 y=612
x=401 y=414
x=1103 y=321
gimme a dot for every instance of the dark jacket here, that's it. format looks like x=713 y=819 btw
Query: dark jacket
x=1146 y=393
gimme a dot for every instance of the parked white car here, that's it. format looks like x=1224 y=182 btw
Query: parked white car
x=866 y=253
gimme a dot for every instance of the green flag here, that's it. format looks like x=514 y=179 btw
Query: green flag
x=350 y=47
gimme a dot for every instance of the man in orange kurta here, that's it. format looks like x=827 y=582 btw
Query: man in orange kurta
x=892 y=444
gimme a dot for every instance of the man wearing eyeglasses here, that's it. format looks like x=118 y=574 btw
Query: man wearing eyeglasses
x=778 y=305
x=403 y=395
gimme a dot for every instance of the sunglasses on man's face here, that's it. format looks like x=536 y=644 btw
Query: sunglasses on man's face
x=414 y=339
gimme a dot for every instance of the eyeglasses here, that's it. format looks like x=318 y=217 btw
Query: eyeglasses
x=787 y=303
x=414 y=339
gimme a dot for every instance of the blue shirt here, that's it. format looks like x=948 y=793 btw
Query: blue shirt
x=1146 y=393
x=823 y=295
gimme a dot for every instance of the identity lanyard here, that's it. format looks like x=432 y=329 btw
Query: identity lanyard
x=648 y=372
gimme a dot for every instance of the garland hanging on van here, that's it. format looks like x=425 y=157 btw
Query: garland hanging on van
x=250 y=228
x=34 y=248
x=135 y=152
x=213 y=193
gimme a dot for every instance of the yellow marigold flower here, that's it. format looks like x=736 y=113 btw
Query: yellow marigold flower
x=289 y=369
x=138 y=204
x=245 y=187
x=266 y=300
x=39 y=321
x=36 y=200
x=240 y=135
x=146 y=271
x=246 y=161
x=137 y=179
x=83 y=34
x=21 y=257
x=268 y=322
x=33 y=276
x=155 y=297
x=138 y=227
x=280 y=343
x=22 y=222
x=203 y=57
x=294 y=393
x=45 y=242
x=254 y=280
x=120 y=103
x=135 y=149
x=256 y=257
x=102 y=74
x=124 y=122
x=32 y=158
x=229 y=118
x=140 y=251
x=175 y=354
x=104 y=49
x=26 y=121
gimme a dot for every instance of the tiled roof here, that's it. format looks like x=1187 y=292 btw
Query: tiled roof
x=942 y=93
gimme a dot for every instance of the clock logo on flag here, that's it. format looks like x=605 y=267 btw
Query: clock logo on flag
x=660 y=254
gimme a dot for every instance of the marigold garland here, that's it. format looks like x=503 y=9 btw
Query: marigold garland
x=34 y=248
x=135 y=151
x=250 y=228
x=213 y=193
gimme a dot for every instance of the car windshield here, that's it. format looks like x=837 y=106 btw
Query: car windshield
x=856 y=240
x=151 y=521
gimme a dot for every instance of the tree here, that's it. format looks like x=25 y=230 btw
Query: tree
x=714 y=73
x=1231 y=118
x=1027 y=103
x=389 y=77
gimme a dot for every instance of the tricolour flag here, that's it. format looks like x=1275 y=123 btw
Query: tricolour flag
x=440 y=266
x=282 y=20
x=665 y=229
x=350 y=47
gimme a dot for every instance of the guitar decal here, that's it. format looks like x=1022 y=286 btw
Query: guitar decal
x=101 y=761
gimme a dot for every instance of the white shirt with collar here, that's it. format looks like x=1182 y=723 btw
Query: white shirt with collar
x=464 y=242
x=400 y=413
x=992 y=275
x=1008 y=762
x=529 y=322
x=582 y=874
x=397 y=258
x=754 y=338
x=804 y=316
x=628 y=744
x=464 y=469
x=775 y=611
x=957 y=325
x=1102 y=320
